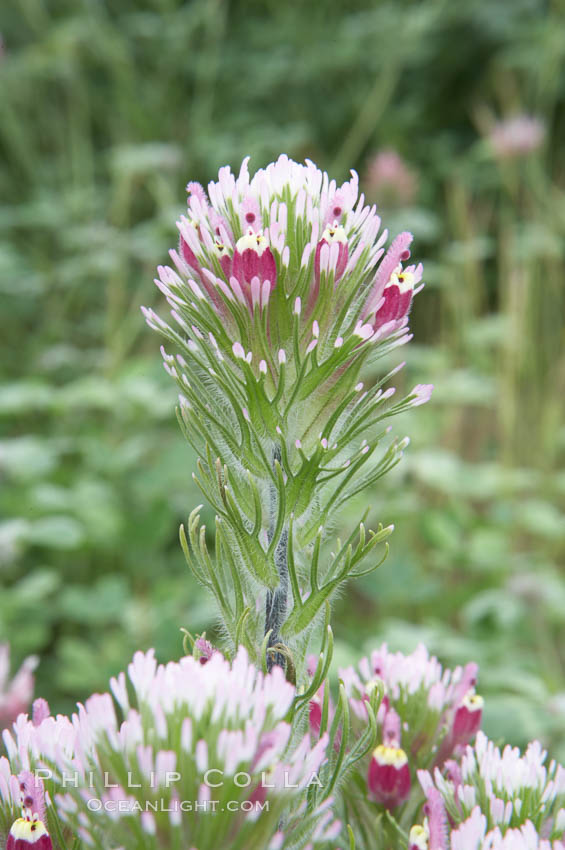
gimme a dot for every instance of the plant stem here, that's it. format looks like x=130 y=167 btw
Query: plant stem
x=275 y=605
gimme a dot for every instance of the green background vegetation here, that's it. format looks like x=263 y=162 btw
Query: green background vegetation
x=107 y=108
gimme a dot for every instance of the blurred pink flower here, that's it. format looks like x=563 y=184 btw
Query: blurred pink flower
x=389 y=180
x=204 y=649
x=517 y=136
x=15 y=694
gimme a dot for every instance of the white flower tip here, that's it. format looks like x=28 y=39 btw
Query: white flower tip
x=338 y=343
x=282 y=356
x=422 y=393
x=359 y=387
x=263 y=367
x=315 y=329
x=148 y=823
x=278 y=429
x=245 y=412
x=238 y=350
x=297 y=307
x=363 y=331
x=298 y=444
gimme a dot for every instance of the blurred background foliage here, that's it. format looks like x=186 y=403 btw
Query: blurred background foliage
x=107 y=108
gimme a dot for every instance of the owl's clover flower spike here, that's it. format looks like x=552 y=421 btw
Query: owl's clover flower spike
x=281 y=292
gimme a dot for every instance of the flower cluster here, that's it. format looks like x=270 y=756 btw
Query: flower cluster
x=277 y=295
x=281 y=293
x=494 y=800
x=203 y=757
x=426 y=717
x=15 y=694
x=473 y=834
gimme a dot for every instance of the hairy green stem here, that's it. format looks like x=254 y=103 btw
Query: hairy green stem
x=276 y=602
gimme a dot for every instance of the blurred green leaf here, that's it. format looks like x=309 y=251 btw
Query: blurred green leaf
x=58 y=532
x=27 y=457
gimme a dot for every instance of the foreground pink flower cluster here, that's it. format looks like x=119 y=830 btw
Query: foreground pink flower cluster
x=208 y=733
x=427 y=715
x=206 y=730
x=493 y=800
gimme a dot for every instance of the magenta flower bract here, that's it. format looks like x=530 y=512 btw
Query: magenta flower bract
x=388 y=779
x=28 y=832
